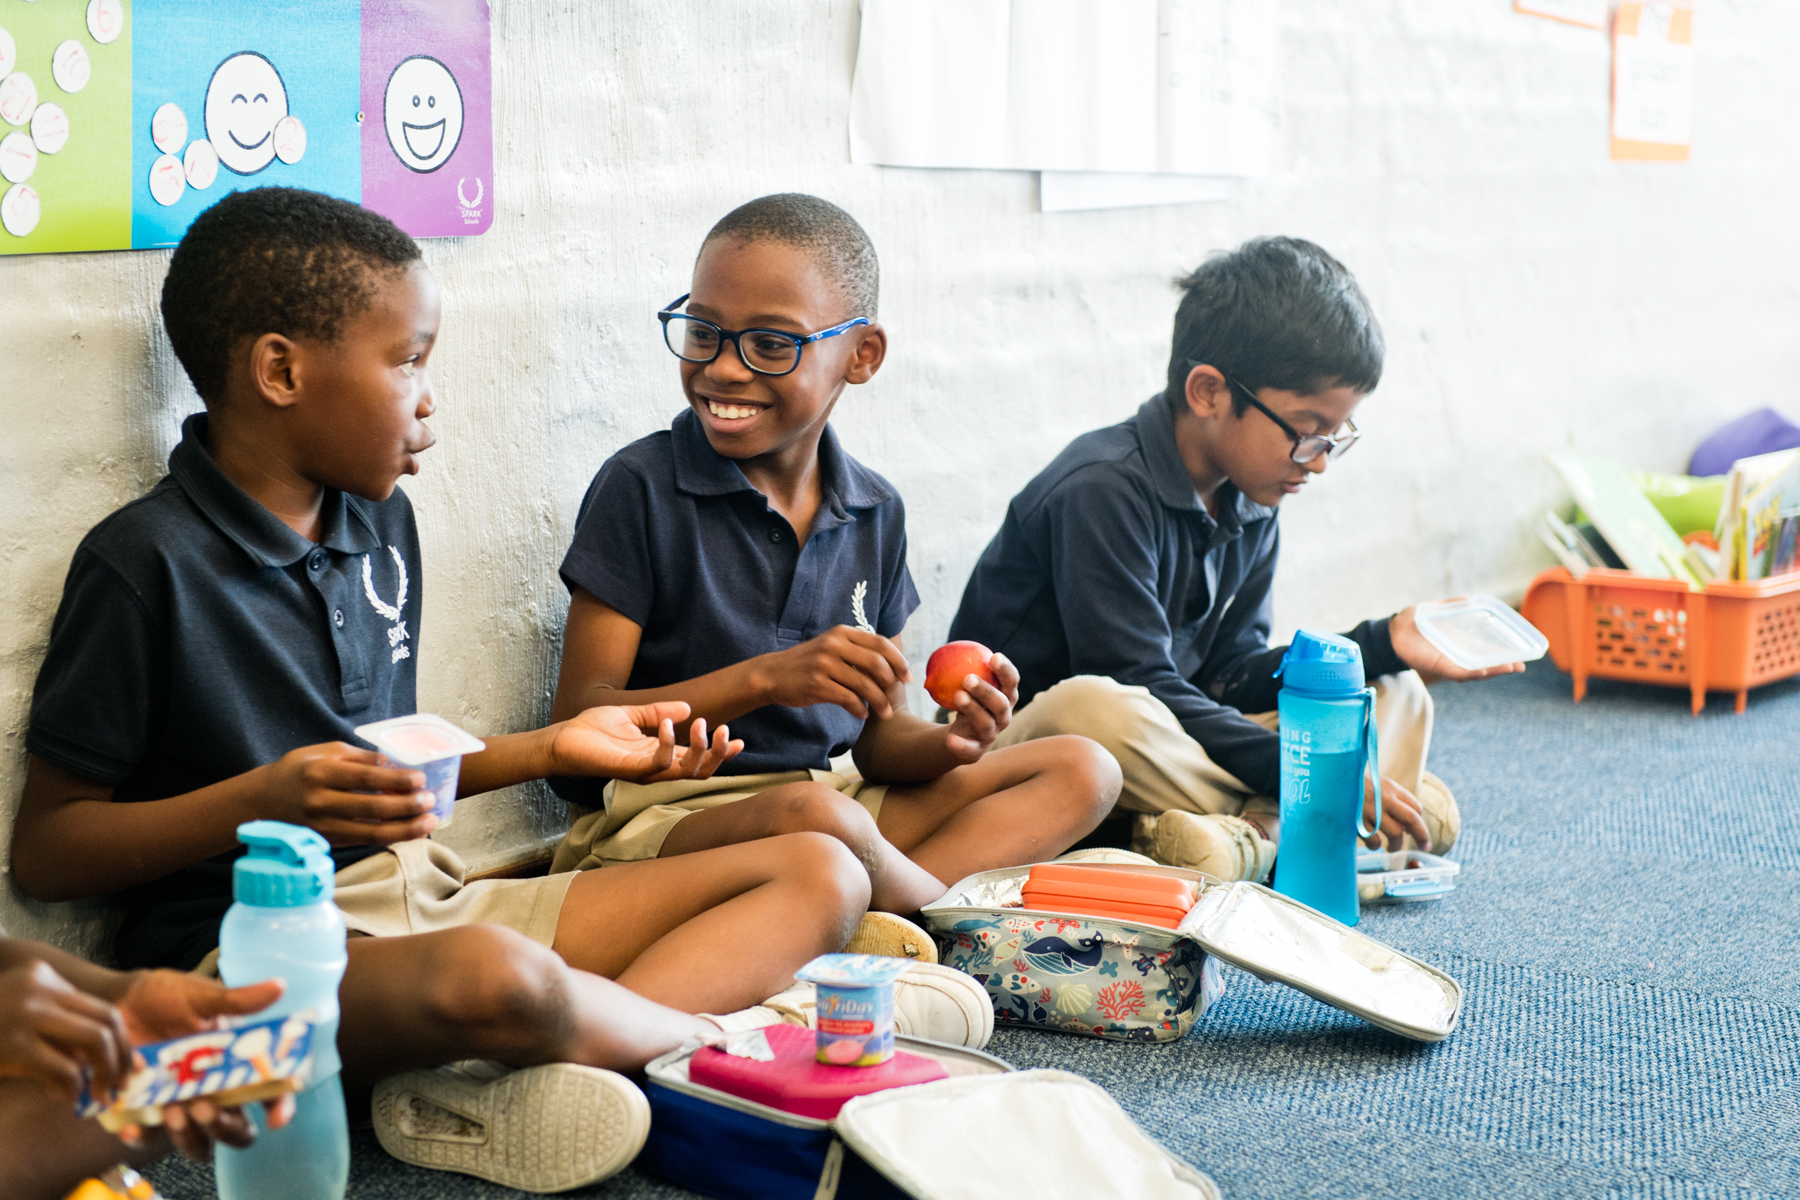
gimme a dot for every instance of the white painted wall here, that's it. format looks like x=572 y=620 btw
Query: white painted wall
x=1535 y=297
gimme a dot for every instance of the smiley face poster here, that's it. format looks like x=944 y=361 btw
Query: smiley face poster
x=386 y=102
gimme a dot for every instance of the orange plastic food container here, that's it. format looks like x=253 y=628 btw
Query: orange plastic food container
x=1729 y=637
x=1097 y=891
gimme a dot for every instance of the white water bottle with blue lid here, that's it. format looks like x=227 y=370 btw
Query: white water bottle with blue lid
x=1328 y=745
x=283 y=925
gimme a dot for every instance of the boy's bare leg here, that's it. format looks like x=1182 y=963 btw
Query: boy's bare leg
x=1022 y=804
x=713 y=933
x=1018 y=805
x=47 y=1150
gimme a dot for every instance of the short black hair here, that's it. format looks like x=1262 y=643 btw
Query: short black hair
x=1276 y=312
x=818 y=226
x=273 y=260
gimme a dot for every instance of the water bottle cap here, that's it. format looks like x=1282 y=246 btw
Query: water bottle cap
x=286 y=866
x=1322 y=664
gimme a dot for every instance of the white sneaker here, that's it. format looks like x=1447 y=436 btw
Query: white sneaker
x=1109 y=855
x=1227 y=848
x=537 y=1129
x=891 y=937
x=933 y=1002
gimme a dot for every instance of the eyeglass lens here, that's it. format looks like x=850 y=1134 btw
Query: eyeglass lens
x=1309 y=448
x=761 y=350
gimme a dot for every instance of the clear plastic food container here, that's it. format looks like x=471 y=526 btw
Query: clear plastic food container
x=1477 y=632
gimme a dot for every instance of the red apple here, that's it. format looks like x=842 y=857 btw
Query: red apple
x=950 y=664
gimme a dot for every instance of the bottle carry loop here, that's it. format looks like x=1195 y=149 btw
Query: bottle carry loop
x=1371 y=761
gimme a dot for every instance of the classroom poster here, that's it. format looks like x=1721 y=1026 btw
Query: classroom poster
x=122 y=120
x=1653 y=81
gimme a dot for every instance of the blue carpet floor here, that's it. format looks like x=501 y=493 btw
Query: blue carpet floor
x=1627 y=935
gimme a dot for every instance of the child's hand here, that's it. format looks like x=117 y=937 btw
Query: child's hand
x=616 y=742
x=1400 y=816
x=338 y=790
x=164 y=1004
x=49 y=1031
x=1430 y=662
x=983 y=710
x=851 y=668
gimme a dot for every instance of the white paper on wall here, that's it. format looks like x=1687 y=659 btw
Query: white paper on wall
x=1134 y=86
x=1653 y=79
x=1068 y=191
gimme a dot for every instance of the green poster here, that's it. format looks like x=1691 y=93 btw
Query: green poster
x=65 y=125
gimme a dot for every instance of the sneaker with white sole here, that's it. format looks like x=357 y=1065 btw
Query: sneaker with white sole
x=536 y=1129
x=891 y=937
x=1227 y=848
x=1443 y=819
x=1109 y=855
x=932 y=1002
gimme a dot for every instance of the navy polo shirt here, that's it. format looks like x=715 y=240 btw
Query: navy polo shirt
x=673 y=536
x=199 y=637
x=1109 y=564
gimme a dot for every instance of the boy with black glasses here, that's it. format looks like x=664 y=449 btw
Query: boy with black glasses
x=744 y=562
x=1131 y=579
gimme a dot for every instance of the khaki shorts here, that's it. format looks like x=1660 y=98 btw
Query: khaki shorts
x=637 y=817
x=417 y=887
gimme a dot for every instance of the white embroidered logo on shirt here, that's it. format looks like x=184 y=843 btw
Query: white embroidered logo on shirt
x=856 y=606
x=389 y=612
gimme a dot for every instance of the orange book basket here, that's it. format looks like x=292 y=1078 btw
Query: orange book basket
x=1730 y=637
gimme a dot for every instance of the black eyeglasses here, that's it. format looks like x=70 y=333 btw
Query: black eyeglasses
x=1306 y=447
x=765 y=351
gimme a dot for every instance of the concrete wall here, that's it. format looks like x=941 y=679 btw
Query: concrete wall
x=1536 y=297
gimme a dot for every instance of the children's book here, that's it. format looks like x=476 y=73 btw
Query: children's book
x=1758 y=492
x=237 y=1065
x=1641 y=537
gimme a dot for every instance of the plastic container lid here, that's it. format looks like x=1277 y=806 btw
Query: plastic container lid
x=1322 y=664
x=1476 y=632
x=286 y=866
x=419 y=739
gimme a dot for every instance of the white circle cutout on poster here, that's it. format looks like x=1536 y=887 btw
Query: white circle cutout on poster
x=50 y=128
x=105 y=20
x=202 y=163
x=19 y=209
x=168 y=179
x=168 y=128
x=18 y=156
x=9 y=54
x=18 y=98
x=290 y=140
x=70 y=66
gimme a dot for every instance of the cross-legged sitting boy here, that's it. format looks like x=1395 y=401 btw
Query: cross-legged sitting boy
x=220 y=638
x=745 y=563
x=61 y=1016
x=1131 y=579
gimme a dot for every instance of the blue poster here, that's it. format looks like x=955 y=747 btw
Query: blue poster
x=233 y=95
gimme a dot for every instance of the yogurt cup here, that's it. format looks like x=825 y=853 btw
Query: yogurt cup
x=427 y=743
x=855 y=1007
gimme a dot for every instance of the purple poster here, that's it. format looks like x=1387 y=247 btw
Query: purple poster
x=427 y=126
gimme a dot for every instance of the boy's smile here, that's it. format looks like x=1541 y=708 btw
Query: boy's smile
x=772 y=422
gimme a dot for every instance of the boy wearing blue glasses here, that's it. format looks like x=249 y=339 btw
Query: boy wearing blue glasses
x=744 y=562
x=1131 y=579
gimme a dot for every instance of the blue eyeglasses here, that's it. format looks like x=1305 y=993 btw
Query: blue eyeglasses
x=765 y=351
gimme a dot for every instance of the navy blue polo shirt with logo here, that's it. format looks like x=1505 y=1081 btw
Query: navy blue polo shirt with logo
x=199 y=637
x=672 y=535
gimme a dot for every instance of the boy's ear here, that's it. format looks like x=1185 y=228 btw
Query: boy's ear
x=1208 y=394
x=871 y=350
x=274 y=369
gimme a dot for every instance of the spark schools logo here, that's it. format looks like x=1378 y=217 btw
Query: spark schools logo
x=471 y=209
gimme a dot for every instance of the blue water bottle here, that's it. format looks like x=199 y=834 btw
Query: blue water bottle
x=284 y=925
x=1327 y=744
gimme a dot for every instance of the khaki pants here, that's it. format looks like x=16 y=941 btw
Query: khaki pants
x=1167 y=769
x=637 y=817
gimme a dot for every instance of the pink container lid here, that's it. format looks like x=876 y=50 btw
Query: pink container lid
x=419 y=738
x=797 y=1083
